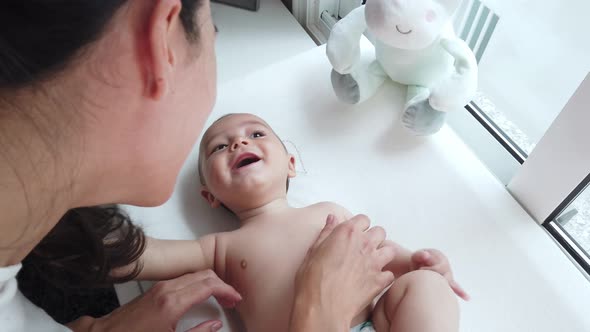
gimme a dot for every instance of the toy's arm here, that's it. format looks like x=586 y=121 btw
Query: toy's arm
x=168 y=259
x=465 y=62
x=456 y=90
x=343 y=48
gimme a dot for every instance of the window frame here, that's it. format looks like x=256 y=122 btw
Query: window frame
x=565 y=240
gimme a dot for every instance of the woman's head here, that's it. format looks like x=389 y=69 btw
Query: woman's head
x=113 y=91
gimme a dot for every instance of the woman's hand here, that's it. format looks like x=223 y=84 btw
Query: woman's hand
x=341 y=275
x=160 y=308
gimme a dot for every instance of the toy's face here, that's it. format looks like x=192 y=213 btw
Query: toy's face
x=408 y=24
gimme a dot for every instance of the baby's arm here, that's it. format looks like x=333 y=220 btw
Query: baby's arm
x=402 y=262
x=405 y=260
x=167 y=259
x=433 y=260
x=341 y=213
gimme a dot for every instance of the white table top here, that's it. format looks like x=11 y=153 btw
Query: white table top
x=426 y=192
x=248 y=41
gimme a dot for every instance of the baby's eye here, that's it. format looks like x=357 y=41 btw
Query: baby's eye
x=219 y=147
x=257 y=134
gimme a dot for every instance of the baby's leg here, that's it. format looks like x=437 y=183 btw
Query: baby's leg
x=359 y=85
x=419 y=301
x=419 y=116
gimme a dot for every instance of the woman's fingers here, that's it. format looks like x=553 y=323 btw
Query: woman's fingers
x=347 y=265
x=360 y=222
x=326 y=231
x=384 y=279
x=160 y=308
x=385 y=254
x=200 y=291
x=208 y=326
x=183 y=281
x=387 y=243
x=376 y=236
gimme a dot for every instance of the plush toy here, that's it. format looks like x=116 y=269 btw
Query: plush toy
x=415 y=45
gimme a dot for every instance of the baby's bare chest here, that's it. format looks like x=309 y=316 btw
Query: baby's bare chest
x=261 y=263
x=268 y=257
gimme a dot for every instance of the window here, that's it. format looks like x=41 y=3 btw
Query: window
x=571 y=227
x=532 y=57
x=536 y=59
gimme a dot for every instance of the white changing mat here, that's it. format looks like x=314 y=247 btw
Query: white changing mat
x=426 y=192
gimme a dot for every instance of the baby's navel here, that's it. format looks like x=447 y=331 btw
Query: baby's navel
x=244 y=264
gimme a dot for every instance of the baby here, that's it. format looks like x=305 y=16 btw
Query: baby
x=245 y=168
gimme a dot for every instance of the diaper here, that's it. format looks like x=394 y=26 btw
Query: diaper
x=363 y=327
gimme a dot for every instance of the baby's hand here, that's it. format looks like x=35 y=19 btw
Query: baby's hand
x=436 y=261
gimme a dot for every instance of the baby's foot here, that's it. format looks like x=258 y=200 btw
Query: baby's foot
x=346 y=87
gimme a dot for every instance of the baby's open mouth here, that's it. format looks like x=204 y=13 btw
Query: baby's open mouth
x=245 y=160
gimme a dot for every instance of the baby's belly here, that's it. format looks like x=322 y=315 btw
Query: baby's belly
x=262 y=265
x=266 y=308
x=265 y=318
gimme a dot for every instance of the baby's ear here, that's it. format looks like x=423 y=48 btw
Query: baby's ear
x=210 y=198
x=292 y=171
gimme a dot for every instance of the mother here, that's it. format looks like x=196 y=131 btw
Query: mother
x=101 y=102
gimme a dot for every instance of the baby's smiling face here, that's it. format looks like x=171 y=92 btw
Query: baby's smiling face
x=242 y=163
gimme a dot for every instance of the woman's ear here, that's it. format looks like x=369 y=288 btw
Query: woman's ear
x=292 y=172
x=162 y=24
x=210 y=198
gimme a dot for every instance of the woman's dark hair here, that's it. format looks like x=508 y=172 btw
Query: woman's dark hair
x=38 y=39
x=85 y=246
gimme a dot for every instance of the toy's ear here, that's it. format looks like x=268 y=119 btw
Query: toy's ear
x=209 y=197
x=450 y=5
x=292 y=172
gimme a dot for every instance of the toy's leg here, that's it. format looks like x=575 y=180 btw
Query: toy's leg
x=359 y=85
x=419 y=301
x=419 y=117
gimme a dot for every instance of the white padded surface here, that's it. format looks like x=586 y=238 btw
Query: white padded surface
x=249 y=40
x=426 y=192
